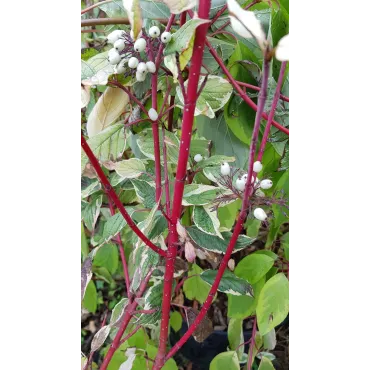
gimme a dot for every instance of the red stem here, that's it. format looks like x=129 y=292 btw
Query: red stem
x=182 y=18
x=170 y=113
x=256 y=88
x=161 y=47
x=186 y=132
x=272 y=111
x=239 y=224
x=126 y=320
x=165 y=166
x=114 y=197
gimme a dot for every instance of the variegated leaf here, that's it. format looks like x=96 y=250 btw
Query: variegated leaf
x=99 y=338
x=206 y=220
x=130 y=168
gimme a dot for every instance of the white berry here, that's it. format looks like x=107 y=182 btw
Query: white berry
x=133 y=62
x=142 y=68
x=257 y=166
x=119 y=44
x=225 y=169
x=140 y=45
x=121 y=66
x=245 y=176
x=166 y=37
x=113 y=56
x=151 y=67
x=260 y=214
x=240 y=183
x=153 y=115
x=198 y=157
x=114 y=36
x=266 y=184
x=140 y=76
x=154 y=32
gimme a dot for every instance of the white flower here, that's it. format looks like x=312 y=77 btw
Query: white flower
x=189 y=252
x=260 y=214
x=151 y=67
x=245 y=23
x=114 y=36
x=119 y=44
x=257 y=166
x=140 y=45
x=142 y=68
x=154 y=32
x=166 y=37
x=113 y=56
x=198 y=157
x=225 y=169
x=240 y=183
x=266 y=184
x=282 y=49
x=121 y=66
x=133 y=62
x=153 y=115
x=140 y=76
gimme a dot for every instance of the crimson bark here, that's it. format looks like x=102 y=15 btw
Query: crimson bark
x=187 y=125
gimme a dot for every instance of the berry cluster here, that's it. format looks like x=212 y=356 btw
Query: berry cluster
x=128 y=55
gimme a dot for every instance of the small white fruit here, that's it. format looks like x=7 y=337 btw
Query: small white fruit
x=142 y=68
x=121 y=66
x=133 y=62
x=198 y=157
x=257 y=166
x=140 y=76
x=245 y=176
x=151 y=67
x=119 y=44
x=225 y=169
x=240 y=183
x=166 y=37
x=260 y=214
x=266 y=184
x=113 y=57
x=140 y=45
x=114 y=36
x=154 y=32
x=153 y=115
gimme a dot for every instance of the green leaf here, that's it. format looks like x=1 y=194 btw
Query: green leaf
x=113 y=226
x=269 y=340
x=235 y=336
x=152 y=353
x=254 y=267
x=181 y=38
x=224 y=50
x=266 y=364
x=212 y=98
x=214 y=243
x=227 y=214
x=145 y=144
x=90 y=301
x=118 y=311
x=89 y=186
x=108 y=144
x=273 y=303
x=133 y=11
x=178 y=6
x=195 y=287
x=84 y=245
x=225 y=360
x=199 y=146
x=285 y=243
x=176 y=320
x=145 y=192
x=224 y=142
x=130 y=168
x=240 y=307
x=106 y=110
x=107 y=256
x=214 y=160
x=229 y=283
x=90 y=211
x=199 y=194
x=103 y=274
x=205 y=219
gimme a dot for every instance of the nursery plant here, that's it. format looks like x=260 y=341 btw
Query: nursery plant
x=185 y=174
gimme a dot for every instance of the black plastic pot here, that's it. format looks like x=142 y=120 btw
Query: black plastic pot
x=201 y=354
